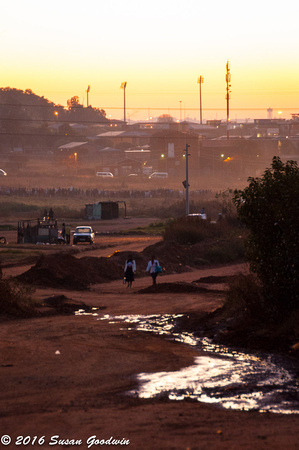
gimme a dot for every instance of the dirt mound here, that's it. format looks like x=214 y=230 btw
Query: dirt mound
x=64 y=305
x=172 y=287
x=140 y=259
x=174 y=257
x=63 y=270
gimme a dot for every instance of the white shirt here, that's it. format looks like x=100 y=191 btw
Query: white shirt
x=152 y=266
x=132 y=264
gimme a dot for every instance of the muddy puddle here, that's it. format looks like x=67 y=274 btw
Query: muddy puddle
x=219 y=375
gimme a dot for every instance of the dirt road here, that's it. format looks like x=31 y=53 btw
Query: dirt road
x=65 y=378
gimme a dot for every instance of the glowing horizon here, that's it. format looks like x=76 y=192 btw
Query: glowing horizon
x=160 y=49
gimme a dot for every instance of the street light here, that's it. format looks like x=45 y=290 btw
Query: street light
x=186 y=182
x=228 y=86
x=200 y=81
x=87 y=92
x=123 y=86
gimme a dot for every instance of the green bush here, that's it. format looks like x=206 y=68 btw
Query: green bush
x=224 y=251
x=269 y=207
x=244 y=296
x=190 y=230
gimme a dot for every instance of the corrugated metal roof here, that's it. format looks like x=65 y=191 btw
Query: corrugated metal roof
x=72 y=145
x=110 y=134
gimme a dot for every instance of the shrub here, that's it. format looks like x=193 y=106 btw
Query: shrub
x=224 y=251
x=269 y=207
x=187 y=230
x=245 y=296
x=190 y=230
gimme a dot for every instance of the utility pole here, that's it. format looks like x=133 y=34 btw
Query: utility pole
x=87 y=91
x=187 y=180
x=123 y=86
x=228 y=86
x=200 y=81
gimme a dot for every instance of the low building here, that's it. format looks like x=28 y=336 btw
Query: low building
x=102 y=211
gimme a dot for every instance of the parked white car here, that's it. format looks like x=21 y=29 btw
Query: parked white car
x=158 y=175
x=105 y=174
x=83 y=234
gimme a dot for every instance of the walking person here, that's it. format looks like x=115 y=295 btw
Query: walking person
x=152 y=268
x=68 y=234
x=63 y=232
x=130 y=269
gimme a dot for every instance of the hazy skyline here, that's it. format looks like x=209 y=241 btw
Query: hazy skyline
x=160 y=48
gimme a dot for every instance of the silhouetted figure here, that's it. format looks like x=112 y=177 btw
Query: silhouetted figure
x=68 y=234
x=63 y=232
x=130 y=269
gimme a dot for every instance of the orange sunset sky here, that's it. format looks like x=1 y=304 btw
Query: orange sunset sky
x=160 y=48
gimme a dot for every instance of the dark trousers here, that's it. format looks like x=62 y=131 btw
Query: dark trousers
x=154 y=276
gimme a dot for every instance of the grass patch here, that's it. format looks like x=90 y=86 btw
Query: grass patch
x=36 y=210
x=153 y=229
x=10 y=256
x=9 y=208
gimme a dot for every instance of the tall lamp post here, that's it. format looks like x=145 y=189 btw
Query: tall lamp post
x=200 y=82
x=228 y=86
x=186 y=182
x=87 y=92
x=123 y=86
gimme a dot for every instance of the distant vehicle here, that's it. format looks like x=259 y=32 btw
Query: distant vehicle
x=105 y=174
x=83 y=234
x=133 y=175
x=3 y=173
x=158 y=175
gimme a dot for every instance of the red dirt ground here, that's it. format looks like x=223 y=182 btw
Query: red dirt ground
x=66 y=375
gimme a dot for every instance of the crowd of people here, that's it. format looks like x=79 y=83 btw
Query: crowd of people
x=98 y=193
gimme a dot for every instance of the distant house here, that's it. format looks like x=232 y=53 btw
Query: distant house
x=108 y=155
x=130 y=137
x=126 y=166
x=143 y=154
x=72 y=147
x=75 y=150
x=102 y=211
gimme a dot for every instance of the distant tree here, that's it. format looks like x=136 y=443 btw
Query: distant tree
x=79 y=113
x=269 y=207
x=73 y=103
x=165 y=118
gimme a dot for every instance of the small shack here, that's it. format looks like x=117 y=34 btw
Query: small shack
x=102 y=211
x=38 y=231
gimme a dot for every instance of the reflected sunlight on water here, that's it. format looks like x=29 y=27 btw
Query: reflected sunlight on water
x=222 y=376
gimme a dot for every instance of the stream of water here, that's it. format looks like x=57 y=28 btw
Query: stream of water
x=232 y=379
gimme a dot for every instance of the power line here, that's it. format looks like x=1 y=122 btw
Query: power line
x=155 y=108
